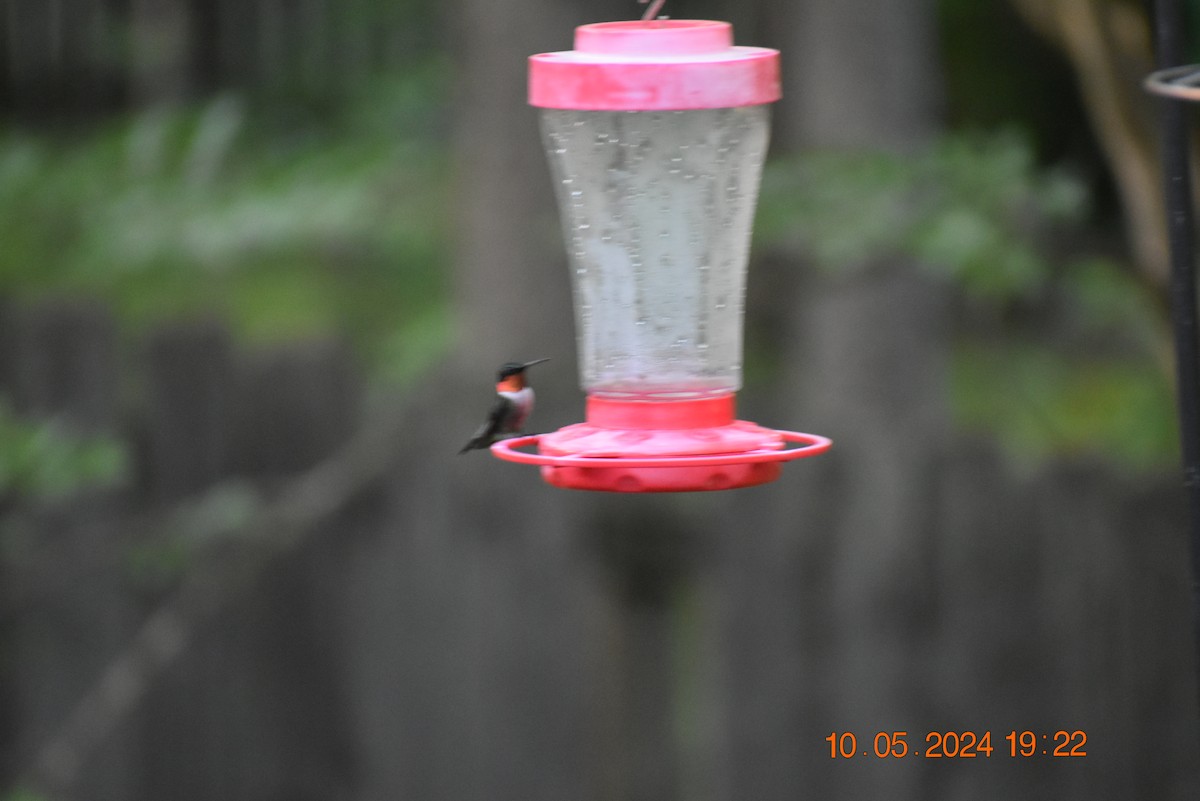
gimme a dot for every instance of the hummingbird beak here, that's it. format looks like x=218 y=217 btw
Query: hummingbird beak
x=527 y=365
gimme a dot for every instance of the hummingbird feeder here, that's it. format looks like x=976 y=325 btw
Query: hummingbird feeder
x=656 y=131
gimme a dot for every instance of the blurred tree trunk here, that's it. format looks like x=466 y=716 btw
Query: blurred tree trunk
x=858 y=73
x=1107 y=43
x=553 y=676
x=830 y=622
x=476 y=625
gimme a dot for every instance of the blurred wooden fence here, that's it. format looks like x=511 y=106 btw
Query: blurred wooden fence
x=80 y=577
x=87 y=56
x=414 y=647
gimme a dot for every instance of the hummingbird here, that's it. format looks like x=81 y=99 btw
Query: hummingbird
x=514 y=402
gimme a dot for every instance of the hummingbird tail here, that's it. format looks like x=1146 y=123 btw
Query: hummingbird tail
x=474 y=444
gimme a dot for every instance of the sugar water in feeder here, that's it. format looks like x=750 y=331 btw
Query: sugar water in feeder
x=656 y=132
x=657 y=211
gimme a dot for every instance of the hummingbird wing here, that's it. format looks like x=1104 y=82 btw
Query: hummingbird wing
x=493 y=426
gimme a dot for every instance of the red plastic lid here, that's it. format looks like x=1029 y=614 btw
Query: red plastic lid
x=654 y=65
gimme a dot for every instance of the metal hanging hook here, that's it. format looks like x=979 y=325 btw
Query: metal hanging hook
x=652 y=11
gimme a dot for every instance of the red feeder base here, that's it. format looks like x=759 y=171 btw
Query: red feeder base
x=661 y=446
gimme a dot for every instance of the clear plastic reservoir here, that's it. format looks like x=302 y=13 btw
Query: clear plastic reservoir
x=657 y=208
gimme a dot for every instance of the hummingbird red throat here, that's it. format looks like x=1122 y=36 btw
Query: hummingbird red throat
x=514 y=403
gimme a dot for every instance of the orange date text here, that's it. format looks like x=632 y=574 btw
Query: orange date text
x=899 y=744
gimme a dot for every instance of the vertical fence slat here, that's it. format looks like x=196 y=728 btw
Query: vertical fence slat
x=189 y=375
x=96 y=56
x=64 y=363
x=162 y=45
x=293 y=406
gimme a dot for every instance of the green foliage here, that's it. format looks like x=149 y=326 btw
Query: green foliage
x=974 y=208
x=155 y=566
x=40 y=459
x=288 y=225
x=289 y=221
x=1070 y=364
x=24 y=795
x=1092 y=386
x=1041 y=403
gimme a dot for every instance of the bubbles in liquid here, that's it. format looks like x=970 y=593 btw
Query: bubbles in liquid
x=659 y=311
